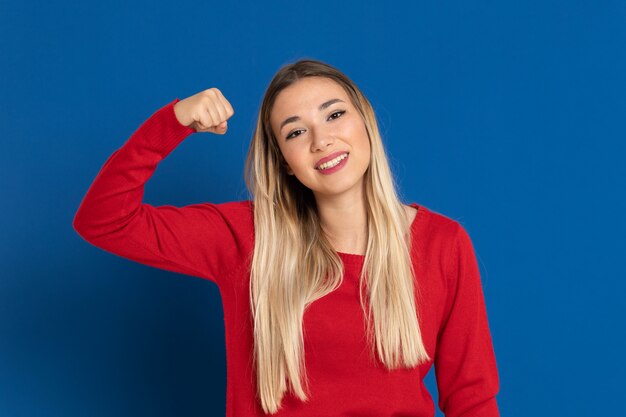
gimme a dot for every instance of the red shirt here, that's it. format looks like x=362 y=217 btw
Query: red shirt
x=212 y=241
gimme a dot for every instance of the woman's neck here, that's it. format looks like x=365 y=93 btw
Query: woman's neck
x=344 y=222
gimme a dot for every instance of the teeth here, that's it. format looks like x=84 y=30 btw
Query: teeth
x=333 y=162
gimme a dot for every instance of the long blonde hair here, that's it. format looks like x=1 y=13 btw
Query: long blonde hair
x=293 y=263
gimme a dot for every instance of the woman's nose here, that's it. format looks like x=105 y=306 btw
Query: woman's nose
x=321 y=140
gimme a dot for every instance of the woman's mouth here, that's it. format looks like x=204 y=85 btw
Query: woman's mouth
x=333 y=165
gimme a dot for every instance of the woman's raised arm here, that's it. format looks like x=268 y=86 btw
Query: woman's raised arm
x=203 y=240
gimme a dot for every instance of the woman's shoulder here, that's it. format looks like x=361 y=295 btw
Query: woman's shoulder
x=239 y=214
x=231 y=207
x=434 y=226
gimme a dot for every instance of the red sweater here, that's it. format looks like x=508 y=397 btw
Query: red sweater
x=211 y=241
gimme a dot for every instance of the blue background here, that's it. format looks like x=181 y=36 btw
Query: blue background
x=507 y=116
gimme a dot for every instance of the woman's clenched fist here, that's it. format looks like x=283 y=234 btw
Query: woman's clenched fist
x=207 y=111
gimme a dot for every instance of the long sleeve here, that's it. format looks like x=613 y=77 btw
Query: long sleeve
x=200 y=240
x=465 y=363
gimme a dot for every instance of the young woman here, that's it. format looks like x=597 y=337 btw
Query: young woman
x=337 y=297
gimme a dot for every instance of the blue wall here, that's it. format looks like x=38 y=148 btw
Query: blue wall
x=507 y=116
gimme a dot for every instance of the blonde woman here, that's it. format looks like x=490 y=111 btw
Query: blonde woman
x=338 y=298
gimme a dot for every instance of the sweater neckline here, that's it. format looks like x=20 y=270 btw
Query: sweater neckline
x=357 y=259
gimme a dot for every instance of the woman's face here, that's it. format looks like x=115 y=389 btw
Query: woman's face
x=313 y=119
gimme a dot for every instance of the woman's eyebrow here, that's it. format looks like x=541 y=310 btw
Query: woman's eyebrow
x=322 y=106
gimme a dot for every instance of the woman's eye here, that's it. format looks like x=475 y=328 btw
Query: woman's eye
x=331 y=117
x=291 y=135
x=340 y=112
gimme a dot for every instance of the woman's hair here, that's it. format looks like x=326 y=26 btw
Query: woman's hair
x=293 y=263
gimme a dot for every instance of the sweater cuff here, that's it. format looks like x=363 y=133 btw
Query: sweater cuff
x=172 y=131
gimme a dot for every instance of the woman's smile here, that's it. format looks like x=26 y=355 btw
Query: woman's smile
x=334 y=165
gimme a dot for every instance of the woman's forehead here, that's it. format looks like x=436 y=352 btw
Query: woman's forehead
x=306 y=94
